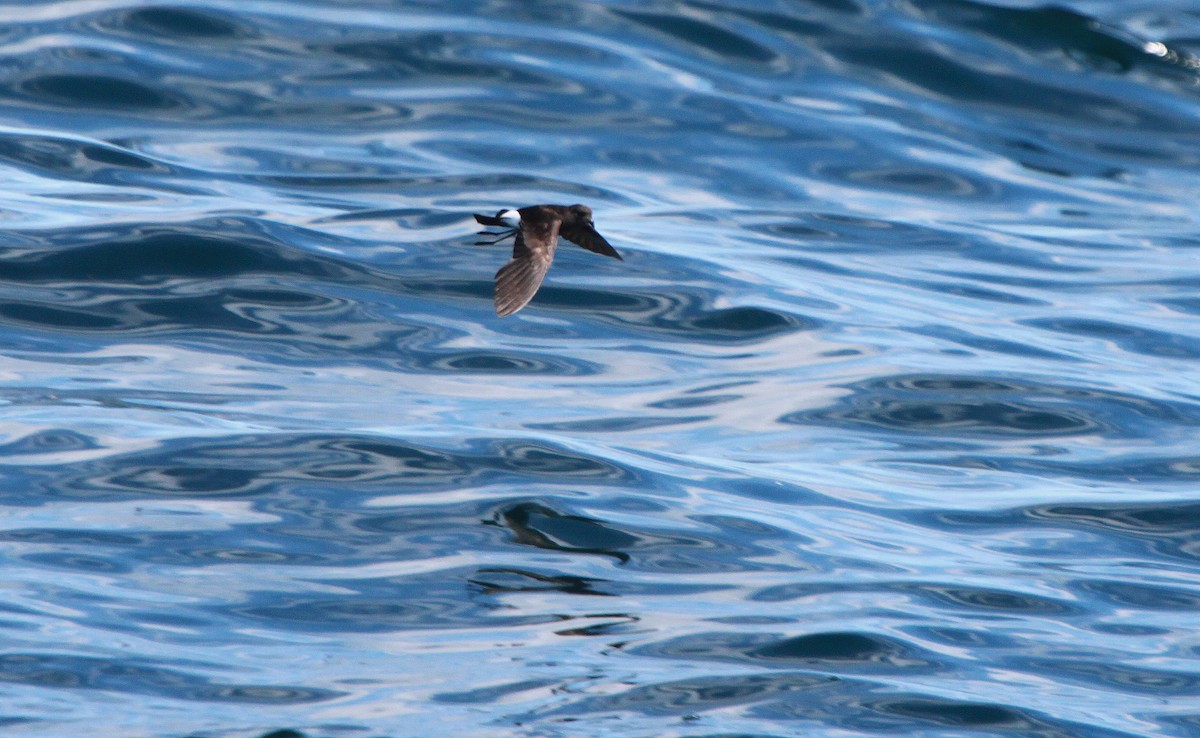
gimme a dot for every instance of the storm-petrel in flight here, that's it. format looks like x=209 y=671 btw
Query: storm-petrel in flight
x=537 y=229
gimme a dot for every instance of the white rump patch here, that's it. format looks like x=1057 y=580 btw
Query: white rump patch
x=512 y=217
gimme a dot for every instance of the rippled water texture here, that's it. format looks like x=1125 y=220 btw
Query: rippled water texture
x=886 y=425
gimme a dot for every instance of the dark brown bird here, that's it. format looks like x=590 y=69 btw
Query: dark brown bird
x=537 y=229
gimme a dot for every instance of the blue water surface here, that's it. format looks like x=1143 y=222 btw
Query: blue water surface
x=886 y=425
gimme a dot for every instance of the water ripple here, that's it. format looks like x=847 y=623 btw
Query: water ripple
x=885 y=422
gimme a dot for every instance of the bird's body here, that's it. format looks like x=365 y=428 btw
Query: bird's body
x=536 y=229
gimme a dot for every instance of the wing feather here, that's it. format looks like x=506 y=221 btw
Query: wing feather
x=582 y=234
x=518 y=280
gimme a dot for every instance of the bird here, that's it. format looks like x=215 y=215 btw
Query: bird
x=536 y=229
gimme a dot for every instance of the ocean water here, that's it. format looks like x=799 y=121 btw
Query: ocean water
x=888 y=424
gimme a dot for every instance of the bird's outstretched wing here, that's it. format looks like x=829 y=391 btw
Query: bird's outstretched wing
x=583 y=234
x=519 y=279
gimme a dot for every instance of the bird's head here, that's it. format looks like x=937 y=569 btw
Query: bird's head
x=583 y=213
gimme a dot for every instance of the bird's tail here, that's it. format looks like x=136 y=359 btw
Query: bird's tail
x=491 y=220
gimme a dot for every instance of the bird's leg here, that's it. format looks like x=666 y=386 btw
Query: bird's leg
x=498 y=237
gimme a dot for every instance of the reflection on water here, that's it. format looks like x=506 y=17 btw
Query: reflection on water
x=886 y=424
